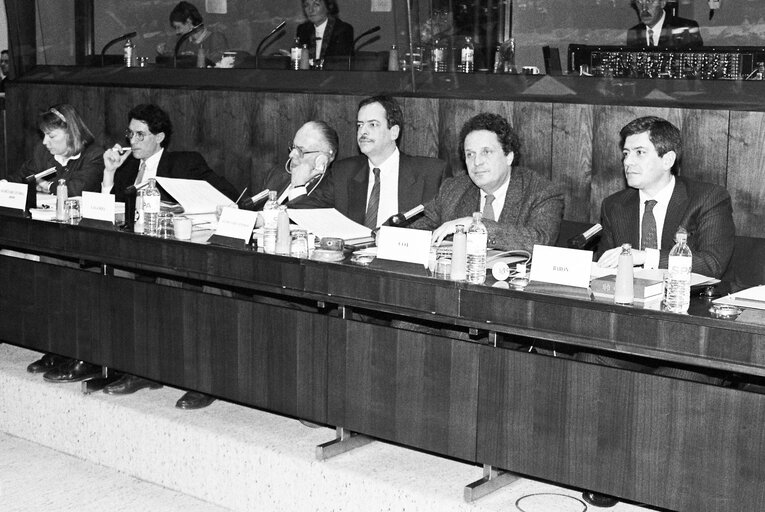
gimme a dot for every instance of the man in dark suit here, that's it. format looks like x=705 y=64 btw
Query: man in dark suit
x=656 y=28
x=149 y=134
x=324 y=33
x=371 y=188
x=520 y=208
x=651 y=149
x=312 y=151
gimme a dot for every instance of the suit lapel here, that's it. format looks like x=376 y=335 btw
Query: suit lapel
x=675 y=211
x=513 y=197
x=163 y=166
x=409 y=184
x=357 y=192
x=327 y=36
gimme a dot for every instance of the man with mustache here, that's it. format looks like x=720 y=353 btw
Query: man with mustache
x=657 y=28
x=372 y=187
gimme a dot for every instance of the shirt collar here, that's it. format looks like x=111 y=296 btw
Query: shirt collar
x=662 y=196
x=63 y=160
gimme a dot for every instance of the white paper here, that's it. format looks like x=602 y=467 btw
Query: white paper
x=324 y=222
x=402 y=244
x=236 y=223
x=656 y=274
x=195 y=196
x=95 y=205
x=13 y=195
x=749 y=298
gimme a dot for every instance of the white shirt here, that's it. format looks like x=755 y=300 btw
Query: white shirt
x=319 y=31
x=656 y=31
x=63 y=160
x=499 y=199
x=659 y=213
x=151 y=166
x=388 y=187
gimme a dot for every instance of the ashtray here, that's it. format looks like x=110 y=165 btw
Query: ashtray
x=725 y=311
x=362 y=258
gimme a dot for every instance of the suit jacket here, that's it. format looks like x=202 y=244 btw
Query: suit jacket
x=702 y=208
x=531 y=214
x=277 y=179
x=188 y=165
x=82 y=174
x=345 y=186
x=337 y=39
x=675 y=33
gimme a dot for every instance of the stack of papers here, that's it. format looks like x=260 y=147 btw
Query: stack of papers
x=328 y=222
x=749 y=298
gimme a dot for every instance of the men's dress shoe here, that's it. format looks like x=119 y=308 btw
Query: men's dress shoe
x=194 y=400
x=128 y=384
x=599 y=500
x=47 y=362
x=72 y=371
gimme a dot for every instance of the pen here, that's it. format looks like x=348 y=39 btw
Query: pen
x=240 y=196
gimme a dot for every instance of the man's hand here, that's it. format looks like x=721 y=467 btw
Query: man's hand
x=610 y=258
x=113 y=158
x=303 y=173
x=449 y=228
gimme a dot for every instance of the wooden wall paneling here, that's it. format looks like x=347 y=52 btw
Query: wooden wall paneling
x=117 y=103
x=626 y=434
x=572 y=148
x=746 y=169
x=420 y=134
x=533 y=123
x=705 y=144
x=415 y=388
x=340 y=113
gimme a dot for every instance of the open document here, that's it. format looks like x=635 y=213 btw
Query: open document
x=195 y=196
x=328 y=222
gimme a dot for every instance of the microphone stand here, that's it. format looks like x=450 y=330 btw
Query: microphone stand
x=182 y=39
x=262 y=41
x=113 y=42
x=353 y=45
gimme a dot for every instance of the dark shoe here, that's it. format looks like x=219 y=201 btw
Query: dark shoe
x=72 y=371
x=47 y=363
x=194 y=400
x=599 y=500
x=128 y=384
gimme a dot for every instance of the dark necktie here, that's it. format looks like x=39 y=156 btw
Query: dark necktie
x=650 y=37
x=370 y=219
x=488 y=209
x=648 y=227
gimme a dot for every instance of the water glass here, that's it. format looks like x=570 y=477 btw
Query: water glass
x=165 y=227
x=72 y=211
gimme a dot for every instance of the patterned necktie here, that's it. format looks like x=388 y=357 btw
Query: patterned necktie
x=648 y=227
x=141 y=172
x=370 y=219
x=488 y=209
x=650 y=37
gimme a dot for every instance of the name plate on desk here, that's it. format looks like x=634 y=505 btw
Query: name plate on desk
x=558 y=265
x=402 y=244
x=97 y=206
x=237 y=224
x=13 y=195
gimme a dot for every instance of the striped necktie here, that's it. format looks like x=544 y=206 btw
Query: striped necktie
x=141 y=172
x=648 y=227
x=488 y=208
x=370 y=219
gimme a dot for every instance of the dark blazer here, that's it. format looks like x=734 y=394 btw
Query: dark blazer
x=337 y=39
x=277 y=179
x=531 y=214
x=702 y=208
x=675 y=33
x=82 y=174
x=188 y=165
x=345 y=186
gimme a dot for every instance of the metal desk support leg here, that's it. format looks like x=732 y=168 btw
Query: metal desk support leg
x=344 y=441
x=98 y=383
x=492 y=480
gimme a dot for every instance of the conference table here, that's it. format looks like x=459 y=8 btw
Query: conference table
x=391 y=352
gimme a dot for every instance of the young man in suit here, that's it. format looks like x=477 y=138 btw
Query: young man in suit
x=368 y=189
x=520 y=207
x=149 y=134
x=657 y=202
x=656 y=28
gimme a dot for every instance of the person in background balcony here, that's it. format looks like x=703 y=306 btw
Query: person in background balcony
x=657 y=28
x=184 y=18
x=324 y=33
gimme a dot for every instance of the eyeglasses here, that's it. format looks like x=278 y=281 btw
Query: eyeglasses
x=300 y=151
x=139 y=136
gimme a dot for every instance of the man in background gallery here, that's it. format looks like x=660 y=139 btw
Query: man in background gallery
x=369 y=189
x=658 y=28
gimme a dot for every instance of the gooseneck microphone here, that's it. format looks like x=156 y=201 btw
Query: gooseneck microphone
x=115 y=41
x=262 y=41
x=582 y=240
x=182 y=39
x=364 y=34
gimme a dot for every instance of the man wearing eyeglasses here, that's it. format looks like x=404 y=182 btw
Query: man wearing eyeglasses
x=384 y=181
x=657 y=28
x=520 y=207
x=149 y=133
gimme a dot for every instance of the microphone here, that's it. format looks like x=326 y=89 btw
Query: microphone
x=182 y=39
x=248 y=203
x=115 y=41
x=370 y=31
x=581 y=240
x=400 y=219
x=262 y=41
x=40 y=175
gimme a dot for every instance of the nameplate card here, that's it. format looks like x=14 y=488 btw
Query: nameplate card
x=558 y=265
x=402 y=244
x=236 y=223
x=97 y=206
x=13 y=195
